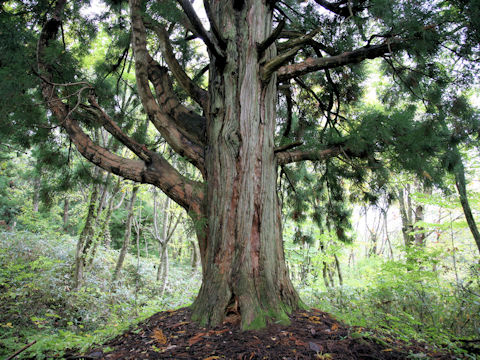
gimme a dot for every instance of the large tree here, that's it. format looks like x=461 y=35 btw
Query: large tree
x=281 y=75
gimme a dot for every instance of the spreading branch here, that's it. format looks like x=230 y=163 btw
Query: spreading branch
x=160 y=119
x=342 y=8
x=298 y=40
x=156 y=171
x=190 y=124
x=287 y=146
x=353 y=57
x=287 y=157
x=211 y=44
x=270 y=67
x=284 y=46
x=193 y=90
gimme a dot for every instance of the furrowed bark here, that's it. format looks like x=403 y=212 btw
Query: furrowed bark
x=244 y=269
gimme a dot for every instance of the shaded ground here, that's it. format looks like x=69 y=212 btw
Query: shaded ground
x=311 y=335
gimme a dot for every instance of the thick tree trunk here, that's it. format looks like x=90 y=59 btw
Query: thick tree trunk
x=244 y=265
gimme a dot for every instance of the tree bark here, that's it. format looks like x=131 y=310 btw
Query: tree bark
x=242 y=254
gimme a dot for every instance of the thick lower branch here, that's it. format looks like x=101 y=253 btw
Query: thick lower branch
x=353 y=57
x=287 y=157
x=158 y=171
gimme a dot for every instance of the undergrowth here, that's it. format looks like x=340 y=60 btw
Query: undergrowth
x=404 y=301
x=38 y=304
x=420 y=303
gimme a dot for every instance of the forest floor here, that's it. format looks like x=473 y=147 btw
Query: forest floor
x=312 y=334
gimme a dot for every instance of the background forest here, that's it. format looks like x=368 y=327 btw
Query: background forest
x=389 y=243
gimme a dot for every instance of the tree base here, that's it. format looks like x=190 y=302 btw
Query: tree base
x=213 y=306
